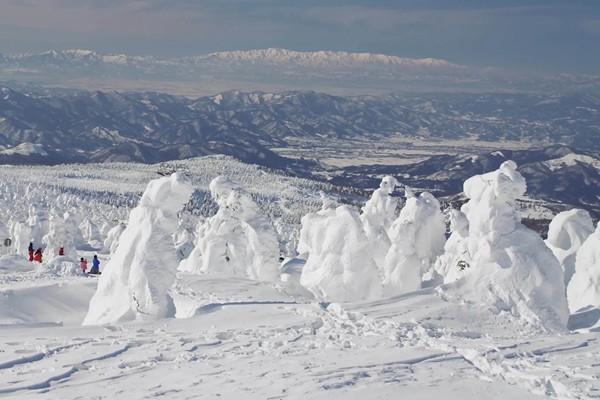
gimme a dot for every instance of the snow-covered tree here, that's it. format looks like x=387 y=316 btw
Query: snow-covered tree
x=72 y=221
x=112 y=237
x=184 y=242
x=584 y=287
x=418 y=237
x=455 y=260
x=567 y=232
x=340 y=266
x=237 y=241
x=21 y=235
x=91 y=233
x=136 y=281
x=510 y=266
x=377 y=216
x=38 y=224
x=58 y=236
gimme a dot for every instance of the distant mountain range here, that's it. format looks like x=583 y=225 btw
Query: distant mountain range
x=52 y=127
x=275 y=69
x=152 y=127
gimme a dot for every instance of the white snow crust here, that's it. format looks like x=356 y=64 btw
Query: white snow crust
x=494 y=329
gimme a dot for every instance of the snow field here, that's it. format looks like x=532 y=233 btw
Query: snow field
x=475 y=316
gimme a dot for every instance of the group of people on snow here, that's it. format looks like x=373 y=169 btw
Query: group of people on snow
x=83 y=264
x=35 y=255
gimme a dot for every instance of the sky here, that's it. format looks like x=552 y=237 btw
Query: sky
x=548 y=35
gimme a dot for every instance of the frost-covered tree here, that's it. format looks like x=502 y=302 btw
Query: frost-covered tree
x=237 y=241
x=455 y=260
x=21 y=235
x=510 y=269
x=377 y=216
x=58 y=236
x=418 y=237
x=584 y=287
x=72 y=221
x=91 y=233
x=136 y=281
x=340 y=266
x=112 y=237
x=184 y=242
x=38 y=224
x=566 y=233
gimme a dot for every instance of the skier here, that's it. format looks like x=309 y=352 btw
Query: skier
x=83 y=265
x=30 y=252
x=37 y=256
x=95 y=265
x=61 y=251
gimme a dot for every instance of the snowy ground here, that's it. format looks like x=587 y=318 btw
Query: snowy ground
x=244 y=339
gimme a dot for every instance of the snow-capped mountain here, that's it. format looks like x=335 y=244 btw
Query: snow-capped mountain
x=323 y=58
x=333 y=71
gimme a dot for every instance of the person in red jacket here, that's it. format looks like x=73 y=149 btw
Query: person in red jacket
x=83 y=265
x=37 y=256
x=61 y=251
x=30 y=252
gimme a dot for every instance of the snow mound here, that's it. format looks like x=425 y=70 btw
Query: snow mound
x=339 y=266
x=135 y=282
x=15 y=263
x=418 y=237
x=584 y=287
x=46 y=304
x=508 y=266
x=237 y=241
x=567 y=232
x=61 y=266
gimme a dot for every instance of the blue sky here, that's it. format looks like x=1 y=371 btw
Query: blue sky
x=548 y=35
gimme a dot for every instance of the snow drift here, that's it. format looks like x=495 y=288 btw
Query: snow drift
x=136 y=280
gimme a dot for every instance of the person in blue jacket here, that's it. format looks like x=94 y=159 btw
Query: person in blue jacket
x=95 y=265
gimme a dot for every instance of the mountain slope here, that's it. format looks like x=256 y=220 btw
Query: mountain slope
x=150 y=127
x=556 y=174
